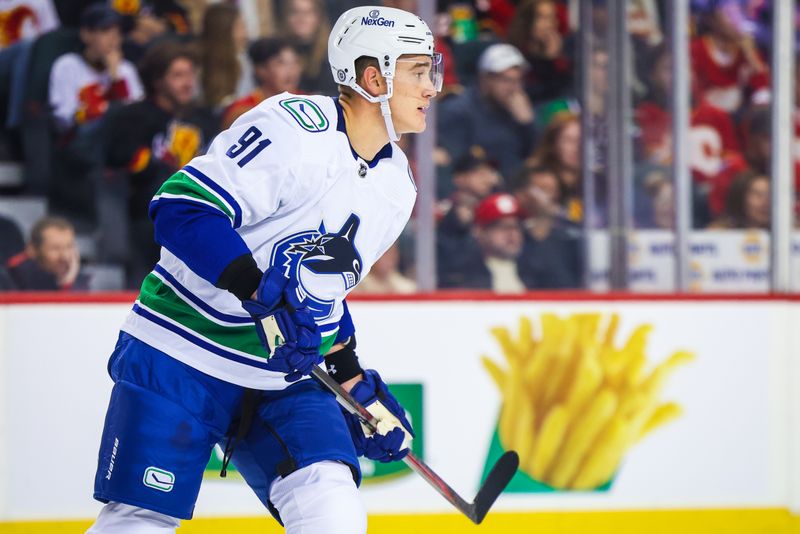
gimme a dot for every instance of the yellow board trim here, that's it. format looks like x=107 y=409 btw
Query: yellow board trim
x=752 y=521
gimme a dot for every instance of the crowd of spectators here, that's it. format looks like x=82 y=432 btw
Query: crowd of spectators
x=104 y=100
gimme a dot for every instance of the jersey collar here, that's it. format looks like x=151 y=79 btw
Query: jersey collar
x=385 y=152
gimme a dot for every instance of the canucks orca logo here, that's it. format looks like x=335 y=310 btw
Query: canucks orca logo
x=325 y=264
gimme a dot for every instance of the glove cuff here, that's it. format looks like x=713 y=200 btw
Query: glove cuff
x=343 y=364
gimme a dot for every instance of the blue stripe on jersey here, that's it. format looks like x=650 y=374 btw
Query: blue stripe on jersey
x=328 y=329
x=199 y=235
x=198 y=301
x=188 y=336
x=214 y=186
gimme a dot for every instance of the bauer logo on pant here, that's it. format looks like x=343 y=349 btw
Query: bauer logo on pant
x=159 y=479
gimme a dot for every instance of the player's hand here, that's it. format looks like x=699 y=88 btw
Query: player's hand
x=392 y=441
x=286 y=328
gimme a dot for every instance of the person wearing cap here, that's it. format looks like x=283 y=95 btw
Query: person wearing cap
x=496 y=114
x=475 y=177
x=276 y=67
x=82 y=88
x=83 y=85
x=262 y=239
x=493 y=262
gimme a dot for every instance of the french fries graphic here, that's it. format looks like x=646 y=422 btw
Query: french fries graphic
x=573 y=401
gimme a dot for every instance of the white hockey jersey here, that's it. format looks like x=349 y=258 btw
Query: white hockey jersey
x=302 y=200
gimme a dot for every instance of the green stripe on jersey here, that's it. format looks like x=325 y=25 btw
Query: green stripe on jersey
x=161 y=298
x=327 y=343
x=182 y=184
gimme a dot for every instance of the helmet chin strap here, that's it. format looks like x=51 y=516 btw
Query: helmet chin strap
x=387 y=118
x=384 y=101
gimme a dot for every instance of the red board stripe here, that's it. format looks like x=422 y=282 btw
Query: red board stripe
x=438 y=296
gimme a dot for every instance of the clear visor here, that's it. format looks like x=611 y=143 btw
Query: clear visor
x=436 y=72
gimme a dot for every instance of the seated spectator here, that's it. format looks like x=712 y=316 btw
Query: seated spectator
x=277 y=68
x=498 y=245
x=756 y=127
x=560 y=152
x=83 y=85
x=150 y=22
x=534 y=31
x=474 y=178
x=551 y=253
x=227 y=73
x=727 y=67
x=82 y=88
x=654 y=198
x=747 y=204
x=307 y=23
x=715 y=156
x=11 y=241
x=25 y=19
x=50 y=261
x=154 y=138
x=385 y=278
x=652 y=113
x=496 y=114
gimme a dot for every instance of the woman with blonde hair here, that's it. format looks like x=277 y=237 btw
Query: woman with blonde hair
x=226 y=73
x=307 y=23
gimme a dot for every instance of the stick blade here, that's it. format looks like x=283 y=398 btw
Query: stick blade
x=501 y=474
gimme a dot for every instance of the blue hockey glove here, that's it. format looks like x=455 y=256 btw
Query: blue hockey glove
x=286 y=328
x=392 y=441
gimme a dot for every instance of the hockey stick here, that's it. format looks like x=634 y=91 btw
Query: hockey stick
x=499 y=477
x=495 y=483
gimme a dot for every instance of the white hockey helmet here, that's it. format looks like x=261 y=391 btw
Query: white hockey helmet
x=383 y=33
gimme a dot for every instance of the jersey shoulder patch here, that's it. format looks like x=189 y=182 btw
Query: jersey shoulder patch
x=306 y=113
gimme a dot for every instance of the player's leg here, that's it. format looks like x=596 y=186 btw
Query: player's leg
x=300 y=460
x=320 y=498
x=162 y=422
x=117 y=517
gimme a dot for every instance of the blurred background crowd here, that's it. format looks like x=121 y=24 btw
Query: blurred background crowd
x=104 y=100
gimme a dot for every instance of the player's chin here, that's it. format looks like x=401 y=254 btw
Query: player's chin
x=418 y=126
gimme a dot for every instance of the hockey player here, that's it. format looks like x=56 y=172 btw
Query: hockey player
x=282 y=217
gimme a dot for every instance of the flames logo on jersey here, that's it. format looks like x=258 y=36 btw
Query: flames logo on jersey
x=325 y=264
x=13 y=23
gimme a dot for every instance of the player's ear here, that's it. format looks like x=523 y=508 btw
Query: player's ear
x=374 y=82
